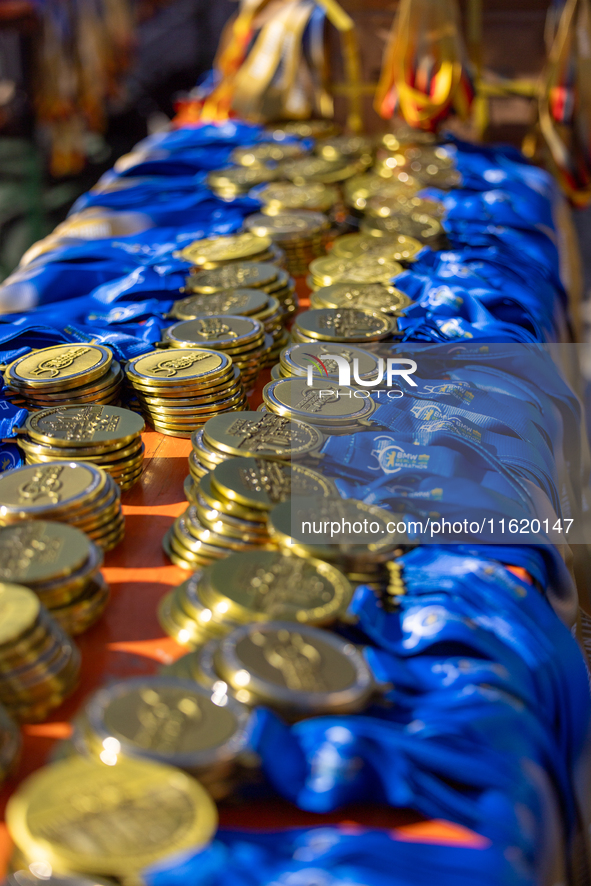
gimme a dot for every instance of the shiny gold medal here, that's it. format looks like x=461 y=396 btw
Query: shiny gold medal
x=245 y=302
x=261 y=483
x=326 y=405
x=265 y=152
x=395 y=248
x=254 y=435
x=219 y=250
x=80 y=815
x=364 y=296
x=343 y=325
x=298 y=670
x=365 y=269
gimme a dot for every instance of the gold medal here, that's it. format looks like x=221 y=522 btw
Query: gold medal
x=395 y=248
x=261 y=483
x=234 y=301
x=366 y=269
x=344 y=325
x=253 y=434
x=59 y=367
x=224 y=249
x=125 y=817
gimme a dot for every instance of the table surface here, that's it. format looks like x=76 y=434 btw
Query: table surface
x=128 y=641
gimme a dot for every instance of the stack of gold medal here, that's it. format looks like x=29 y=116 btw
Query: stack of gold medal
x=343 y=325
x=232 y=503
x=39 y=664
x=279 y=197
x=363 y=296
x=361 y=269
x=132 y=719
x=242 y=338
x=331 y=408
x=404 y=214
x=10 y=745
x=107 y=436
x=179 y=389
x=63 y=374
x=255 y=303
x=301 y=234
x=250 y=434
x=61 y=565
x=361 y=188
x=234 y=181
x=78 y=819
x=296 y=525
x=218 y=252
x=253 y=586
x=77 y=493
x=298 y=670
x=327 y=171
x=431 y=165
x=250 y=275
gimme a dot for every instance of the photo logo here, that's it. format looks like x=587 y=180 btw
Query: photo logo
x=392 y=369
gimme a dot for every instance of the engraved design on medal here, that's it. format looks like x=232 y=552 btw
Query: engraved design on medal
x=44 y=482
x=79 y=425
x=27 y=544
x=313 y=401
x=214 y=327
x=54 y=365
x=160 y=724
x=271 y=432
x=285 y=582
x=350 y=322
x=220 y=302
x=172 y=365
x=299 y=662
x=270 y=476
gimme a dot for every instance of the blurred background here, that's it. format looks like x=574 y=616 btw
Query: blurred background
x=81 y=81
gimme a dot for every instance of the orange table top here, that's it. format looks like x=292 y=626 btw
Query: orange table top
x=128 y=641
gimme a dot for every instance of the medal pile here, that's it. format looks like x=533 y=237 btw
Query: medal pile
x=76 y=493
x=302 y=235
x=39 y=664
x=253 y=586
x=343 y=325
x=314 y=672
x=107 y=436
x=64 y=374
x=363 y=296
x=264 y=276
x=364 y=561
x=243 y=339
x=231 y=506
x=217 y=252
x=179 y=389
x=132 y=719
x=322 y=169
x=267 y=152
x=10 y=745
x=61 y=565
x=80 y=815
x=331 y=408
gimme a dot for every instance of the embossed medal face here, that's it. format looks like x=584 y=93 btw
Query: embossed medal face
x=71 y=426
x=229 y=248
x=19 y=610
x=299 y=668
x=287 y=225
x=267 y=585
x=321 y=403
x=262 y=483
x=367 y=296
x=162 y=717
x=35 y=488
x=380 y=222
x=245 y=274
x=298 y=358
x=365 y=269
x=35 y=550
x=252 y=434
x=231 y=301
x=60 y=366
x=342 y=324
x=394 y=248
x=183 y=364
x=79 y=814
x=226 y=329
